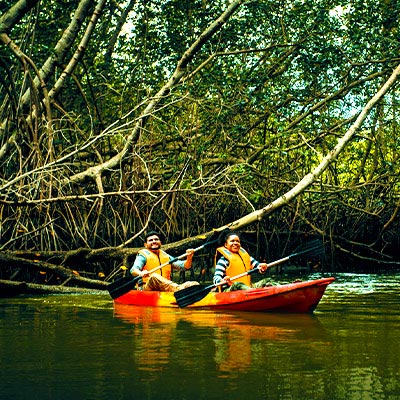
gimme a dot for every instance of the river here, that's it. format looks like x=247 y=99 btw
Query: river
x=81 y=347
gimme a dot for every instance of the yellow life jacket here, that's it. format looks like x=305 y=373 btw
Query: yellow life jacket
x=154 y=260
x=238 y=263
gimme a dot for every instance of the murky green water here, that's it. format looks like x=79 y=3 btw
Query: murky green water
x=80 y=347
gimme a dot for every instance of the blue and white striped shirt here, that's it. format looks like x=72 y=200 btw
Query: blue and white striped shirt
x=222 y=265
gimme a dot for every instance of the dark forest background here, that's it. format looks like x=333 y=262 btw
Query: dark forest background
x=187 y=116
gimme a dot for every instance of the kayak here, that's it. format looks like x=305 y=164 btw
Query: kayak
x=296 y=297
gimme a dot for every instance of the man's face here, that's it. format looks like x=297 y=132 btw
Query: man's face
x=153 y=243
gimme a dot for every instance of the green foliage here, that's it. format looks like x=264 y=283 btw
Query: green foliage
x=258 y=107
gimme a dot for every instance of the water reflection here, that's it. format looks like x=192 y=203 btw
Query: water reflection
x=82 y=347
x=235 y=337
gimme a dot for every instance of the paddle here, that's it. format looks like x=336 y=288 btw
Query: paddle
x=193 y=294
x=127 y=283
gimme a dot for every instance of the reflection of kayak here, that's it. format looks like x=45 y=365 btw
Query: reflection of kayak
x=297 y=297
x=235 y=335
x=208 y=318
x=252 y=324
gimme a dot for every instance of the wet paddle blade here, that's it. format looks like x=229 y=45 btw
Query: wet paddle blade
x=191 y=295
x=312 y=249
x=122 y=286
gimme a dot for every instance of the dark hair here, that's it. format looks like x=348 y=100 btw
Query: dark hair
x=152 y=233
x=230 y=233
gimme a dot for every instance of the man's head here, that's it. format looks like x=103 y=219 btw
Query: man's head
x=152 y=241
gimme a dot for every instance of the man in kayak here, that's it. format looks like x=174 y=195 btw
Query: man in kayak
x=231 y=260
x=151 y=257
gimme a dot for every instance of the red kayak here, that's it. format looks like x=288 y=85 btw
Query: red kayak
x=296 y=297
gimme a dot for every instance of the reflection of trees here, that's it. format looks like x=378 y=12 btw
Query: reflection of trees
x=232 y=349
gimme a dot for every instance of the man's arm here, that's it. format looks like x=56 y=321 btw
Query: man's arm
x=138 y=265
x=183 y=265
x=189 y=258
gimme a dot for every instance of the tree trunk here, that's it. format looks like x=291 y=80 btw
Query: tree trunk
x=12 y=288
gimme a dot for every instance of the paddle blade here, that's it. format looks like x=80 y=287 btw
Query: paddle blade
x=122 y=286
x=312 y=249
x=216 y=237
x=191 y=295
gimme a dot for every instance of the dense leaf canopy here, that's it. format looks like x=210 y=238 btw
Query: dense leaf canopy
x=184 y=116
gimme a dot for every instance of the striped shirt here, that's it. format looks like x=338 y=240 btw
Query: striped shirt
x=222 y=265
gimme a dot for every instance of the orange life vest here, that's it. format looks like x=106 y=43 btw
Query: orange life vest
x=238 y=263
x=154 y=260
